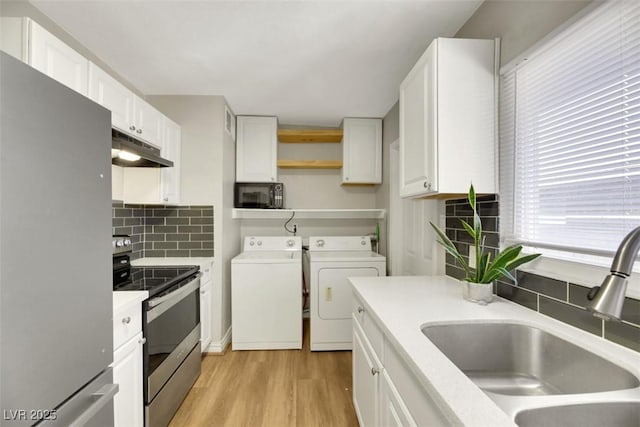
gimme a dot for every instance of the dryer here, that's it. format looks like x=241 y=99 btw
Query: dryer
x=328 y=264
x=266 y=294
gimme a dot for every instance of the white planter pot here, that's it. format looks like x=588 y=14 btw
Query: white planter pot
x=480 y=293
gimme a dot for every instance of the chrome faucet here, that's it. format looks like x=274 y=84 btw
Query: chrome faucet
x=608 y=298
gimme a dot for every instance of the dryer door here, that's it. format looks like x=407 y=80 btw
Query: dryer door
x=334 y=290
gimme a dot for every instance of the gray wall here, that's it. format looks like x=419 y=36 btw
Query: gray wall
x=518 y=23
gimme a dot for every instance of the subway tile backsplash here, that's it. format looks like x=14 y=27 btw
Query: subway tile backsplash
x=561 y=300
x=161 y=231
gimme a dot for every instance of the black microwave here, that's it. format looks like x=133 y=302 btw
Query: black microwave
x=259 y=195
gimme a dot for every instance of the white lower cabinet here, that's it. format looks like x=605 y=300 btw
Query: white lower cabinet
x=393 y=412
x=128 y=405
x=366 y=378
x=385 y=393
x=205 y=317
x=127 y=373
x=206 y=304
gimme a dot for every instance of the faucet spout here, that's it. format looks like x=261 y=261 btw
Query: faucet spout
x=608 y=299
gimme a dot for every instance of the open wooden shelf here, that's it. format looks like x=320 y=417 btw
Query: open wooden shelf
x=310 y=164
x=310 y=135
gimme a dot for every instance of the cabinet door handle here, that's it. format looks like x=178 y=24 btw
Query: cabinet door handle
x=126 y=320
x=142 y=341
x=360 y=309
x=375 y=371
x=425 y=184
x=132 y=127
x=139 y=131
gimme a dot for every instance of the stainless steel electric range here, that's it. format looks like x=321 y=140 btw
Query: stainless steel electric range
x=170 y=326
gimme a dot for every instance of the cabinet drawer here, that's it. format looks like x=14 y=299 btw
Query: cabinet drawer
x=369 y=326
x=127 y=322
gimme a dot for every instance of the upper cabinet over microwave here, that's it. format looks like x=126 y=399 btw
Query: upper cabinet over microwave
x=447 y=120
x=256 y=149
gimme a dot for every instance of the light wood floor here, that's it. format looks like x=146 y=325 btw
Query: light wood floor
x=271 y=389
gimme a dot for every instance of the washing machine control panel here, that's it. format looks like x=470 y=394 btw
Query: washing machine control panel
x=340 y=243
x=272 y=243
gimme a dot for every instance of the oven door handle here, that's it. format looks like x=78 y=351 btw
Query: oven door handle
x=174 y=297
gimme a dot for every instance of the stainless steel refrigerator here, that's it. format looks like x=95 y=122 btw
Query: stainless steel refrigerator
x=56 y=325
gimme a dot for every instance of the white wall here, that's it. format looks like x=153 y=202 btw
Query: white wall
x=207 y=176
x=320 y=188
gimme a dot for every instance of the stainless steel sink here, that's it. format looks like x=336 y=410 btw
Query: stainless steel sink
x=610 y=414
x=519 y=360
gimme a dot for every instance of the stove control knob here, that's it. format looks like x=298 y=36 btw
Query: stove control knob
x=363 y=242
x=251 y=243
x=320 y=243
x=290 y=243
x=119 y=243
x=259 y=242
x=127 y=242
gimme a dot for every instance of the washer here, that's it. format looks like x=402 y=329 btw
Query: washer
x=266 y=294
x=328 y=264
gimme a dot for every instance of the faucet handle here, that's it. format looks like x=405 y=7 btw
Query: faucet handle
x=593 y=292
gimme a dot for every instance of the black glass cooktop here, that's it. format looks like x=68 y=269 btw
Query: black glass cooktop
x=156 y=280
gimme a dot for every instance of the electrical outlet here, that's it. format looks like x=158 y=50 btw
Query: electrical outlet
x=472 y=256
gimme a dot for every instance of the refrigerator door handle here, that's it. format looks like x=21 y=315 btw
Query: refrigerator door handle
x=103 y=396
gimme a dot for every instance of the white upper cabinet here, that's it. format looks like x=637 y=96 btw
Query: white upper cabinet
x=170 y=177
x=148 y=122
x=29 y=42
x=256 y=149
x=362 y=151
x=129 y=113
x=113 y=95
x=447 y=120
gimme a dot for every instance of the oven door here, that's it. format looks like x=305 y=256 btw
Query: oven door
x=171 y=328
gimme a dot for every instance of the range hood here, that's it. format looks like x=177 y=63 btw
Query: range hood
x=130 y=152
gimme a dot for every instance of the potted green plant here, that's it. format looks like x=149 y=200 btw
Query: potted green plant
x=478 y=282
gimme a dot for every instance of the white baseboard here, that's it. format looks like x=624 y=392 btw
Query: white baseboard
x=220 y=346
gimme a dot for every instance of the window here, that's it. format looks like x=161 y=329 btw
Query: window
x=570 y=137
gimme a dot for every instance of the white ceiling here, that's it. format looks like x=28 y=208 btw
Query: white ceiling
x=307 y=62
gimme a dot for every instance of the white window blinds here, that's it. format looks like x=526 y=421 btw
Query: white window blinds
x=570 y=136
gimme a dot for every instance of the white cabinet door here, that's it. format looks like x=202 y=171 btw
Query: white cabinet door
x=362 y=151
x=127 y=373
x=170 y=177
x=111 y=94
x=417 y=127
x=149 y=122
x=447 y=120
x=393 y=411
x=54 y=58
x=366 y=376
x=257 y=149
x=205 y=316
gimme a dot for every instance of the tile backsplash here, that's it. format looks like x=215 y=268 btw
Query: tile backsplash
x=558 y=299
x=460 y=209
x=165 y=231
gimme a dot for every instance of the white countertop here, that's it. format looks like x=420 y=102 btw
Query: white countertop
x=145 y=262
x=403 y=305
x=124 y=299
